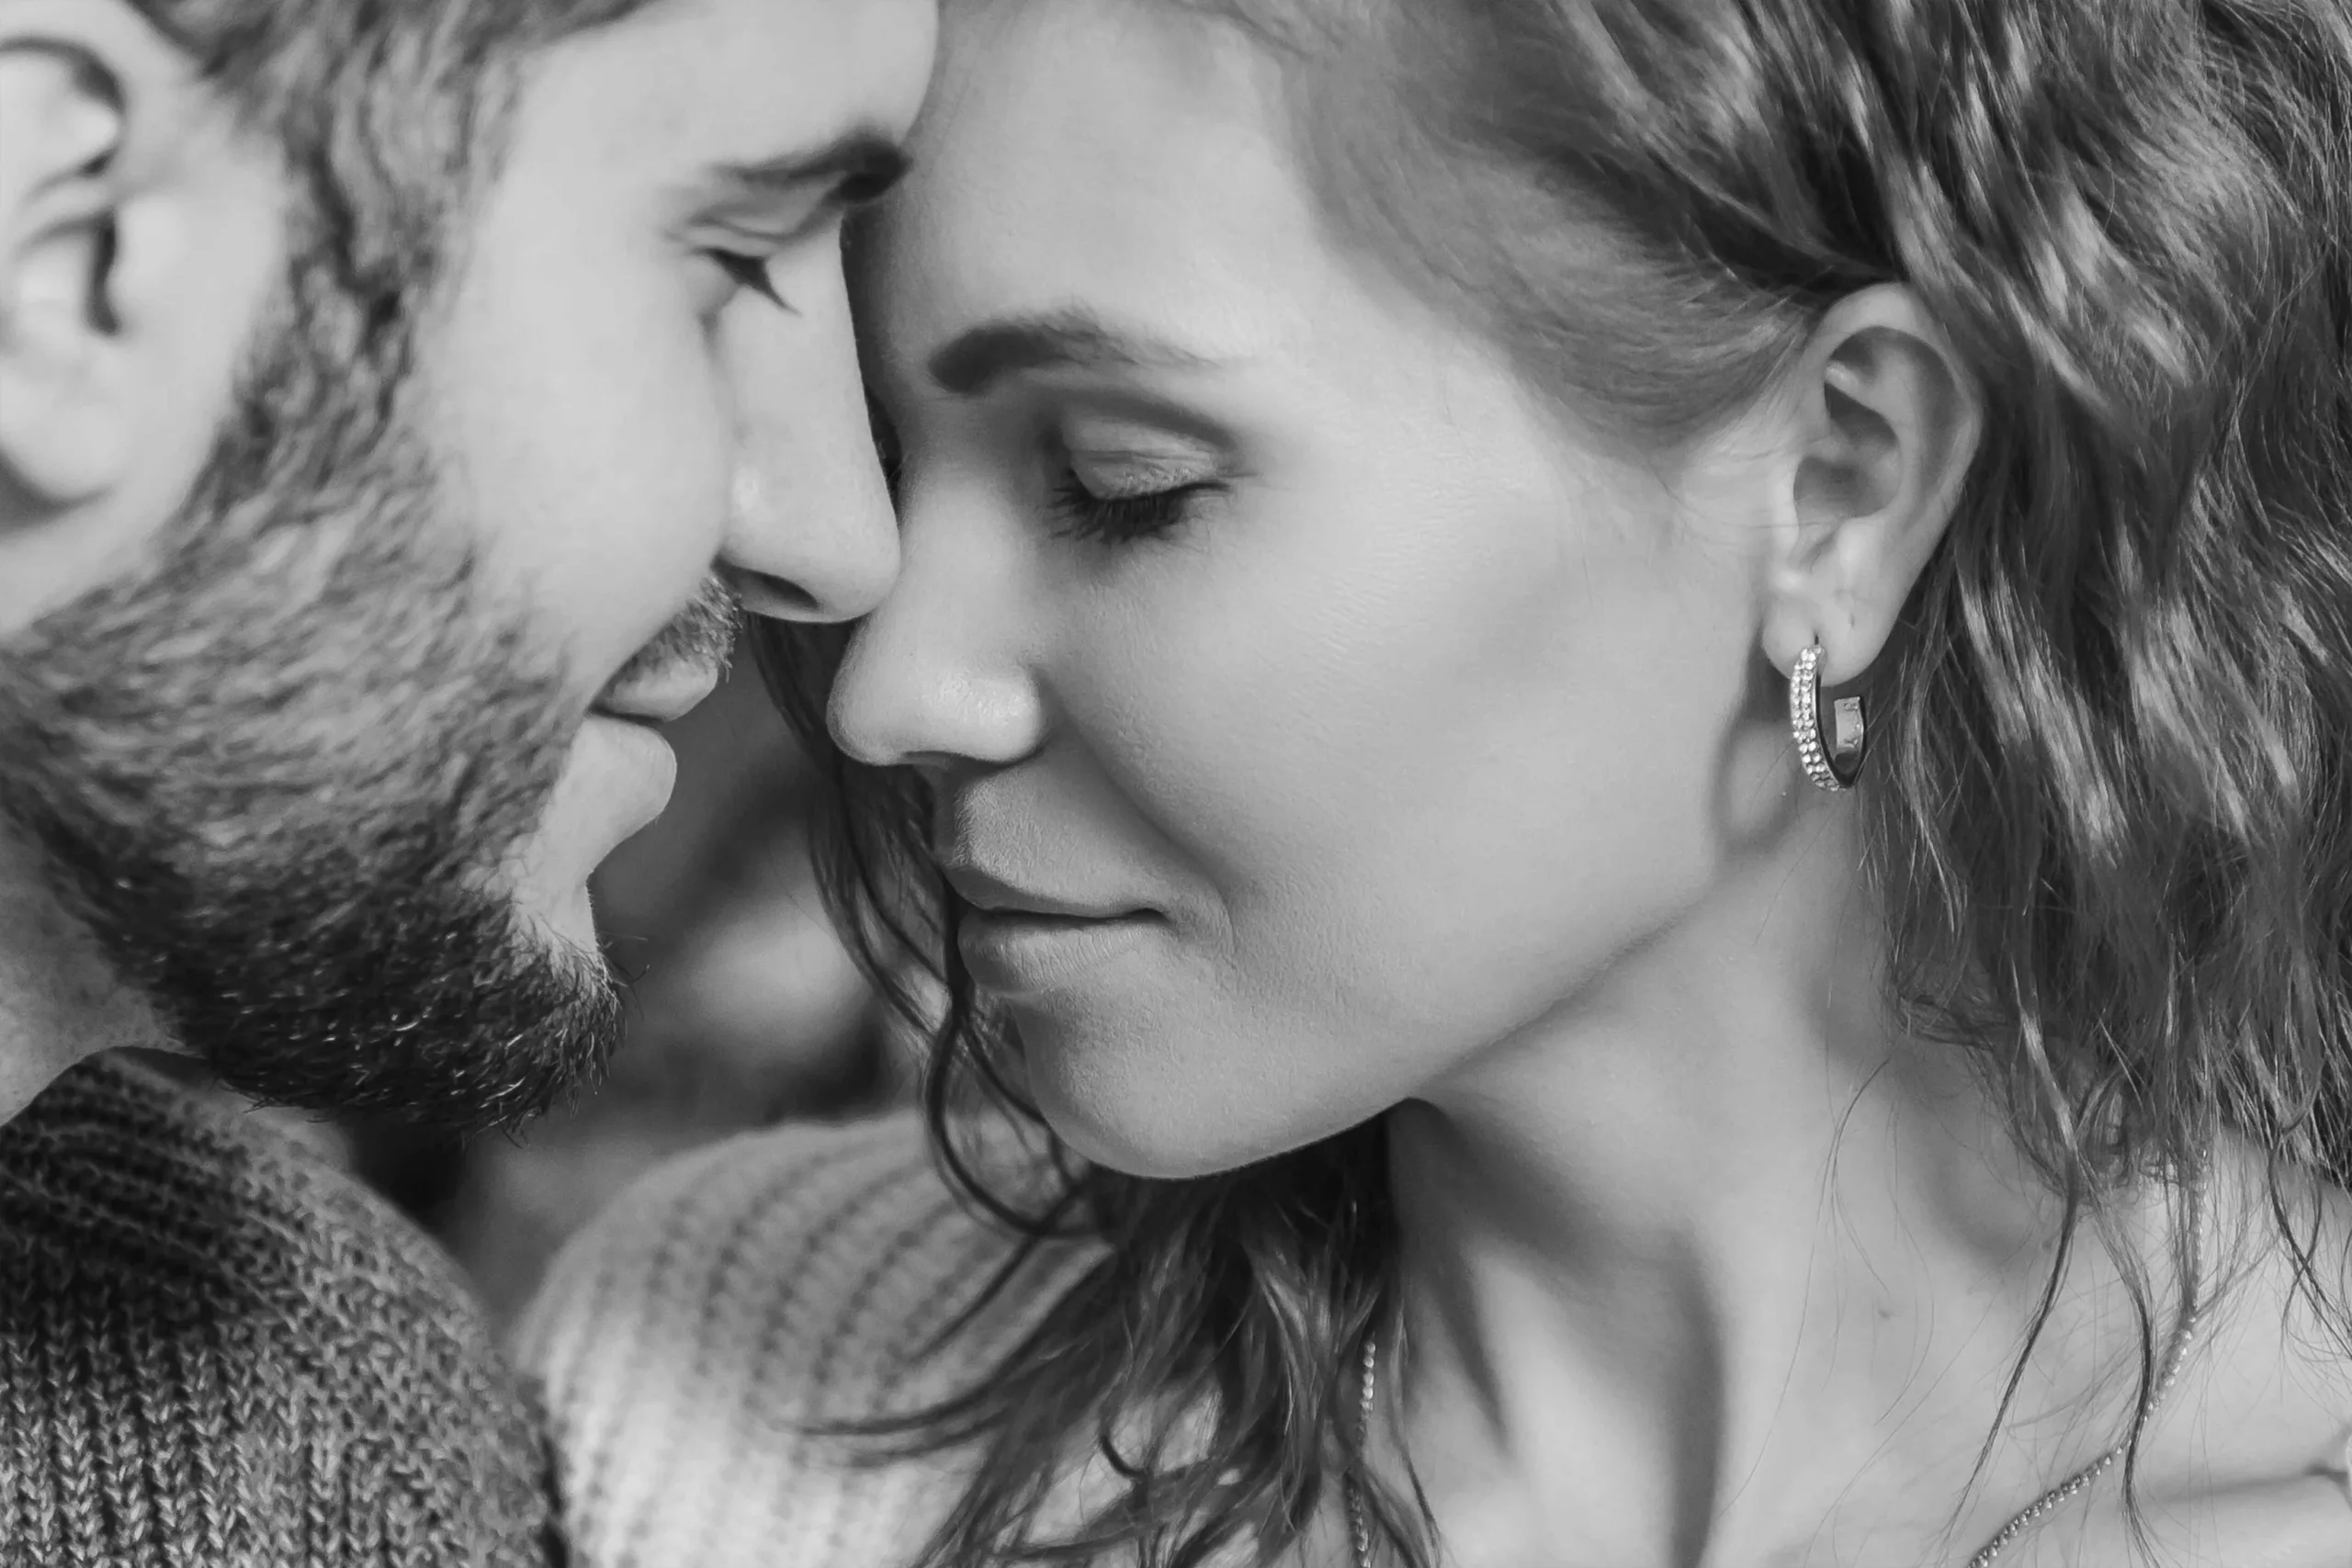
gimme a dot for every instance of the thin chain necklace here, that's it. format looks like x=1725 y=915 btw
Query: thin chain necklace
x=1359 y=1526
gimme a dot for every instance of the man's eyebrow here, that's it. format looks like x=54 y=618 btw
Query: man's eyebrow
x=854 y=167
x=979 y=357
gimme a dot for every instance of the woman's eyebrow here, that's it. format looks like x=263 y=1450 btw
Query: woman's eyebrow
x=982 y=356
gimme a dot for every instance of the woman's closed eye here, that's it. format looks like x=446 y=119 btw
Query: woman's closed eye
x=1125 y=502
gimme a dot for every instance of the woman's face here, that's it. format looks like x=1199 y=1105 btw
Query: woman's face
x=1354 y=712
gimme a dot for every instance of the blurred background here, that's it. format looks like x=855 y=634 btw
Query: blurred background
x=746 y=1011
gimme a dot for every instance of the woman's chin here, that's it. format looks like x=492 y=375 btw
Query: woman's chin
x=1146 y=1118
x=1157 y=1142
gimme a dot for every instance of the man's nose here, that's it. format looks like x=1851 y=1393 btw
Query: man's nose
x=810 y=535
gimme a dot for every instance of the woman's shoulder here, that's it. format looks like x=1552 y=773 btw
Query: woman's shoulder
x=738 y=1297
x=2248 y=1461
x=2280 y=1337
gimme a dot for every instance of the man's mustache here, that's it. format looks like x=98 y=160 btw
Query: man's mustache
x=702 y=636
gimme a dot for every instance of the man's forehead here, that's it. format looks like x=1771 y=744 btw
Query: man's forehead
x=683 y=86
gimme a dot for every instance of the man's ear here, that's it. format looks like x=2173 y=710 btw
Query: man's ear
x=63 y=426
x=138 y=232
x=1882 y=421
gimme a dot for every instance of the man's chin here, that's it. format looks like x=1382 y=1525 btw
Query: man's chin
x=535 y=1028
x=563 y=921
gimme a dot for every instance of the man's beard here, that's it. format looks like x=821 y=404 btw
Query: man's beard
x=281 y=773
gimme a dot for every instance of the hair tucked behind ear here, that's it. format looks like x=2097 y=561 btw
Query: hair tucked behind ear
x=2111 y=802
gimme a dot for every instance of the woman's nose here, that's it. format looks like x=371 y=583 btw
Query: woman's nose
x=940 y=674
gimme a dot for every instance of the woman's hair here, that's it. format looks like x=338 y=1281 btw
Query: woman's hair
x=2110 y=804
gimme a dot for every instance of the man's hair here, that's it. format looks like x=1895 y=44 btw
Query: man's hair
x=389 y=116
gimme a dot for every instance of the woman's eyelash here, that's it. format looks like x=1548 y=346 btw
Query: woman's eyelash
x=751 y=272
x=1120 y=519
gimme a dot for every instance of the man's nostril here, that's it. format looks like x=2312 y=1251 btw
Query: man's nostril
x=776 y=598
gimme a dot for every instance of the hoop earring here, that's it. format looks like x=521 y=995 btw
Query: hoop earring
x=1837 y=762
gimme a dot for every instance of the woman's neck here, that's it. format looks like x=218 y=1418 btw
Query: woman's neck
x=1714 y=1250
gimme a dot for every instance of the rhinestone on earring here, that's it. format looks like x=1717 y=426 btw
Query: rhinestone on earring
x=1837 y=762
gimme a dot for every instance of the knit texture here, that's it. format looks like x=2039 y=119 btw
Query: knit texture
x=689 y=1339
x=217 y=1351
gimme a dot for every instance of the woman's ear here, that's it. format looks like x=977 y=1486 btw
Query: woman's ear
x=1881 y=422
x=141 y=232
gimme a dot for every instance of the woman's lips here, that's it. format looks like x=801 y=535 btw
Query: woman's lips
x=1021 y=953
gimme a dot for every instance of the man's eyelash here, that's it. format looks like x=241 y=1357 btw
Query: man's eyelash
x=751 y=272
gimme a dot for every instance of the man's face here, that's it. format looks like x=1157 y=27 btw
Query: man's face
x=648 y=366
x=327 y=775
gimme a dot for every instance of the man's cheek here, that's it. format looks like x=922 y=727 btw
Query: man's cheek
x=621 y=542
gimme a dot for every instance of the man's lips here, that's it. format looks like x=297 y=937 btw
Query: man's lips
x=657 y=699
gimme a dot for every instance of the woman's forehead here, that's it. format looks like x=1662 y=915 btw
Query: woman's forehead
x=1117 y=156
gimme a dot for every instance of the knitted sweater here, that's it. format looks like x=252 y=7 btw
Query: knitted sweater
x=732 y=1298
x=216 y=1351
